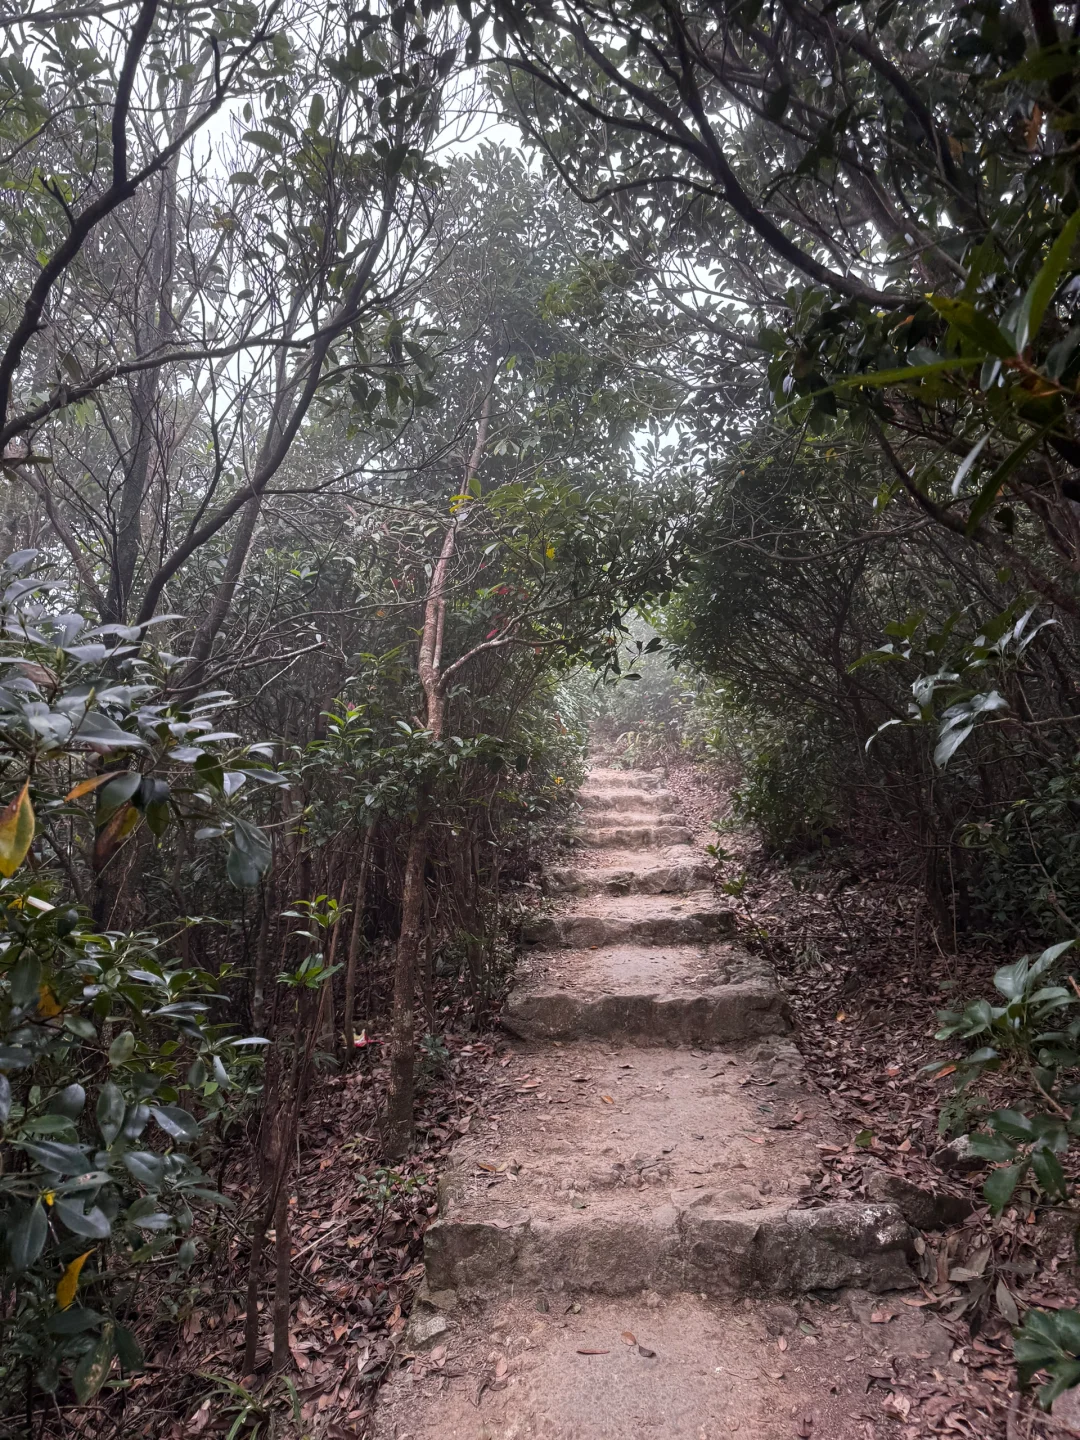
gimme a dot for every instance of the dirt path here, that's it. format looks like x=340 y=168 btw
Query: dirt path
x=628 y=1247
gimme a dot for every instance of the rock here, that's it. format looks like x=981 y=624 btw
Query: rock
x=958 y=1155
x=741 y=1011
x=425 y=1329
x=779 y=1251
x=779 y=1319
x=1066 y=1411
x=925 y=1209
x=686 y=1245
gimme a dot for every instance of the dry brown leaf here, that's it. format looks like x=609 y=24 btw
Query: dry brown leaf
x=629 y=1338
x=586 y=1351
x=607 y=1099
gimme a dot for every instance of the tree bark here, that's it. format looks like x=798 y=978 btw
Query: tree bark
x=356 y=936
x=399 y=1113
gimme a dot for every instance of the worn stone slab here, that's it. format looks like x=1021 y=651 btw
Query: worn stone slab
x=686 y=927
x=636 y=837
x=676 y=878
x=730 y=1014
x=616 y=1250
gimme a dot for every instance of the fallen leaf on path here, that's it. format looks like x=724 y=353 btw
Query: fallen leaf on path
x=629 y=1338
x=649 y=1354
x=882 y=1317
x=607 y=1099
x=594 y=1352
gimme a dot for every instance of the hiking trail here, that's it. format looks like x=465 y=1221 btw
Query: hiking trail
x=627 y=1247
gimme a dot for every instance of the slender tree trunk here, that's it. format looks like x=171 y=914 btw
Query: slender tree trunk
x=283 y=1266
x=356 y=936
x=399 y=1117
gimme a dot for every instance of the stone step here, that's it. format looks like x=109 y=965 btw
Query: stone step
x=628 y=799
x=604 y=779
x=683 y=927
x=735 y=1012
x=650 y=994
x=655 y=1170
x=676 y=878
x=673 y=1248
x=636 y=837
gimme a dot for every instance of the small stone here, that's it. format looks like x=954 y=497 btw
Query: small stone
x=958 y=1155
x=425 y=1329
x=925 y=1209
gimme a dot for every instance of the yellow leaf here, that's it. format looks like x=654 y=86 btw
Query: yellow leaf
x=550 y=552
x=114 y=833
x=16 y=831
x=47 y=1004
x=69 y=1281
x=48 y=1196
x=84 y=787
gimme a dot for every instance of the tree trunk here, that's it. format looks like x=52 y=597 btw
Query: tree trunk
x=356 y=936
x=399 y=1117
x=283 y=1268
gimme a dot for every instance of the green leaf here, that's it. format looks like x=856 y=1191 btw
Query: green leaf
x=25 y=981
x=59 y=1158
x=147 y=1168
x=128 y=1350
x=1000 y=1185
x=176 y=1122
x=93 y=1369
x=1049 y=1173
x=122 y=1048
x=110 y=1111
x=92 y=1223
x=975 y=327
x=1041 y=290
x=991 y=1147
x=26 y=1238
x=990 y=491
x=906 y=374
x=117 y=792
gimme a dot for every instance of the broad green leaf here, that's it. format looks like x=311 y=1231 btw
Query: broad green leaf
x=93 y=1223
x=59 y=1158
x=1049 y=1173
x=122 y=1048
x=987 y=496
x=1041 y=290
x=906 y=374
x=975 y=327
x=93 y=1369
x=176 y=1122
x=110 y=1111
x=26 y=1238
x=1001 y=1184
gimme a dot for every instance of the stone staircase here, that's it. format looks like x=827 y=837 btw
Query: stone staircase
x=647 y=1167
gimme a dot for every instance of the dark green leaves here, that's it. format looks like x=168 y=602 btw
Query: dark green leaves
x=25 y=1233
x=1049 y=1340
x=249 y=854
